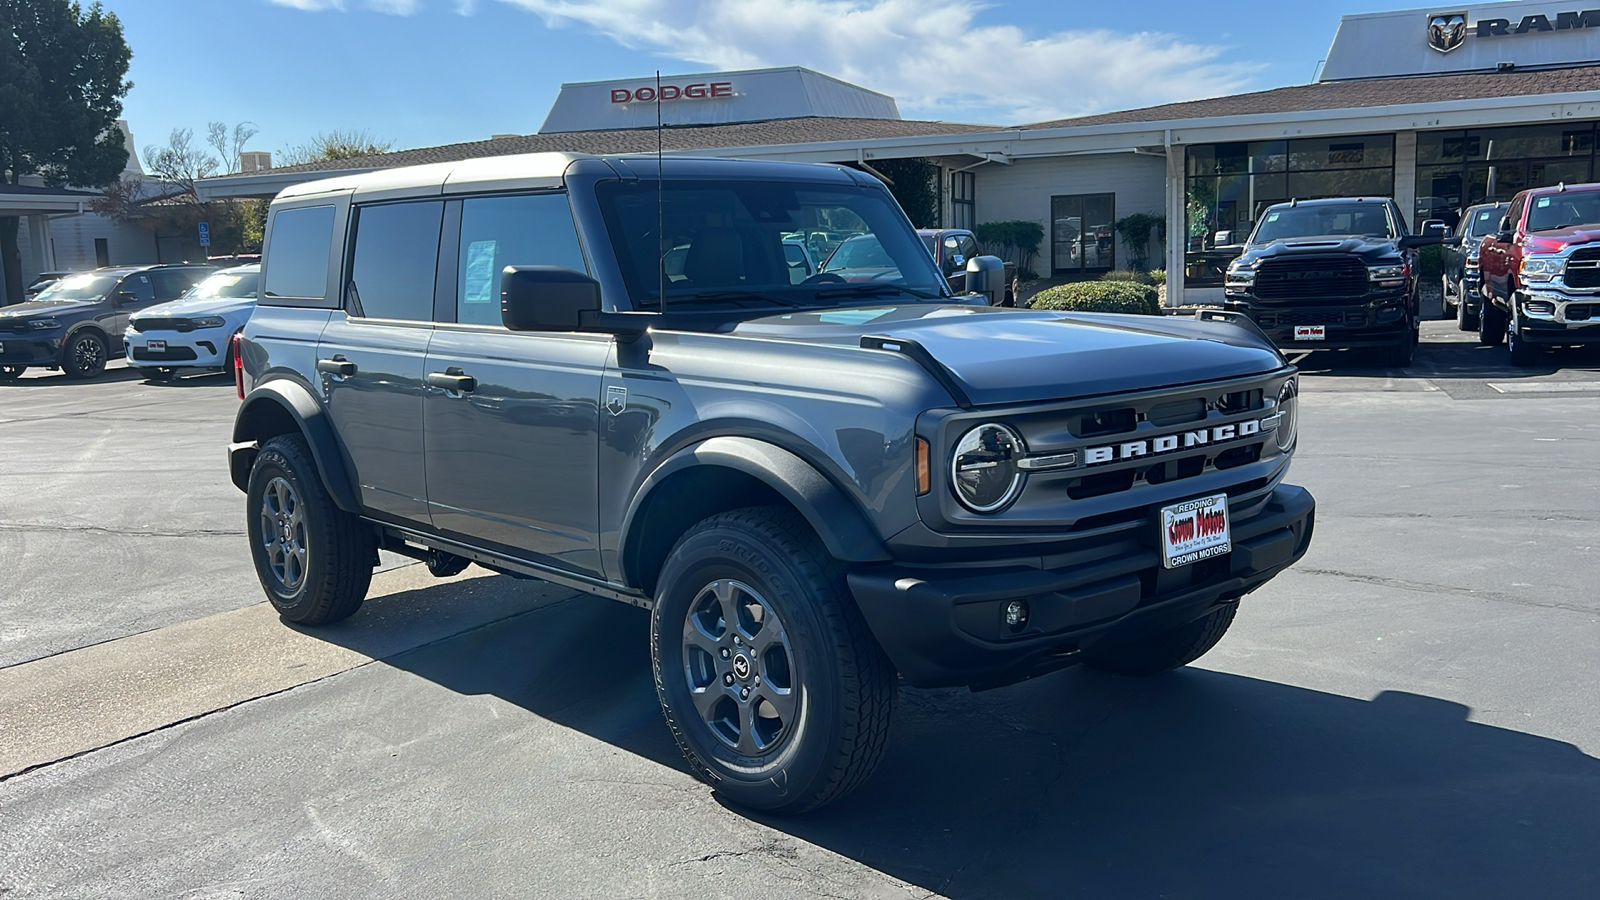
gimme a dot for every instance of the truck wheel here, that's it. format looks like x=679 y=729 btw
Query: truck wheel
x=773 y=686
x=1523 y=354
x=1163 y=651
x=84 y=356
x=1491 y=324
x=314 y=559
x=1400 y=355
x=1465 y=321
x=1444 y=297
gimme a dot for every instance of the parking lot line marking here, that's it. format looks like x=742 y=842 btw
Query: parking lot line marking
x=1545 y=387
x=75 y=702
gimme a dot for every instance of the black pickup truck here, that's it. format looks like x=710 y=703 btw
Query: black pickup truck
x=1329 y=274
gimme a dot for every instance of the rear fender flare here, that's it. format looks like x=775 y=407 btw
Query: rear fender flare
x=262 y=416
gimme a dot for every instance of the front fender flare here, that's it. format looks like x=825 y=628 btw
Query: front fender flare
x=843 y=527
x=261 y=416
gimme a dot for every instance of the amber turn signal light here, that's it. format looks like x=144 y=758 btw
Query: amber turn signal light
x=924 y=472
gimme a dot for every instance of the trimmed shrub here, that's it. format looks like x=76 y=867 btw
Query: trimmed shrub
x=1156 y=277
x=1100 y=296
x=1123 y=275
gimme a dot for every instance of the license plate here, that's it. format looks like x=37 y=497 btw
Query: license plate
x=1195 y=530
x=1311 y=332
x=156 y=346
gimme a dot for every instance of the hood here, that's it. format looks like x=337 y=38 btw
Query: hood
x=44 y=307
x=1017 y=356
x=1557 y=239
x=197 y=306
x=1367 y=248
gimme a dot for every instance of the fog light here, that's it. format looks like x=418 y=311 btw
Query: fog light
x=1017 y=613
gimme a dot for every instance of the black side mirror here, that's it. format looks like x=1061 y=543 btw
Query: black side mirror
x=553 y=298
x=1505 y=225
x=1413 y=241
x=1435 y=227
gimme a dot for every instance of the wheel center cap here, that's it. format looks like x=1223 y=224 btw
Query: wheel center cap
x=741 y=667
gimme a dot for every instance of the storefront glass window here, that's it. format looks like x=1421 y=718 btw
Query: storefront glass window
x=1229 y=185
x=1457 y=169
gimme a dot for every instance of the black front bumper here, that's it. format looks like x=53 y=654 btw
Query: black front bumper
x=1371 y=322
x=27 y=350
x=945 y=626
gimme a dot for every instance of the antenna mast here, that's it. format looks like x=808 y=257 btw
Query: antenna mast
x=661 y=215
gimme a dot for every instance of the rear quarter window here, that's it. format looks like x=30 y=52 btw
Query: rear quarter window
x=296 y=255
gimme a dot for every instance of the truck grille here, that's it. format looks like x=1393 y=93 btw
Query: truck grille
x=1353 y=318
x=1311 y=278
x=1583 y=268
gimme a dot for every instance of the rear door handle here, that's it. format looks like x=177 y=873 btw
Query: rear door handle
x=336 y=366
x=452 y=380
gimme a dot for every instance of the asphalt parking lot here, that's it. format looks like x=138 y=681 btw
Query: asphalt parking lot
x=1409 y=712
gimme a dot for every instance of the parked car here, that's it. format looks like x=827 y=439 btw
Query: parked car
x=951 y=248
x=41 y=281
x=1541 y=272
x=70 y=325
x=196 y=330
x=1462 y=281
x=802 y=262
x=1323 y=274
x=817 y=489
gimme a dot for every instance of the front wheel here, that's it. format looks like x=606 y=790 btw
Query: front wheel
x=1444 y=297
x=314 y=559
x=1522 y=353
x=1162 y=651
x=1491 y=324
x=1400 y=355
x=773 y=686
x=84 y=356
x=1466 y=320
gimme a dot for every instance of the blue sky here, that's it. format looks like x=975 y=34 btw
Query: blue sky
x=423 y=72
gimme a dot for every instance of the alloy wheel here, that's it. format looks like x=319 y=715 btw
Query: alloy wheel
x=283 y=533
x=740 y=668
x=88 y=355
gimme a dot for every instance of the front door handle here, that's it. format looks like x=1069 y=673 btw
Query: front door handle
x=337 y=366
x=452 y=380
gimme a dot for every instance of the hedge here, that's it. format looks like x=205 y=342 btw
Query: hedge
x=1100 y=296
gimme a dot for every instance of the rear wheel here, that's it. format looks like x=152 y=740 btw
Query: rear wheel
x=314 y=559
x=774 y=688
x=84 y=356
x=1162 y=651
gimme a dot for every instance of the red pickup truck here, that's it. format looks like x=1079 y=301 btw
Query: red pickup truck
x=1541 y=272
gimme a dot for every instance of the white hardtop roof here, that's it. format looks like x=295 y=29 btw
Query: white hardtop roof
x=526 y=170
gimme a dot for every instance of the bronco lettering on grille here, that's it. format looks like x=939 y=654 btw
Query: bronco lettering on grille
x=1170 y=443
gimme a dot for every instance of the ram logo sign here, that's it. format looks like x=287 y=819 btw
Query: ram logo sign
x=1447 y=31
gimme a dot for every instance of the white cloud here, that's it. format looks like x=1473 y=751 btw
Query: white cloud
x=938 y=58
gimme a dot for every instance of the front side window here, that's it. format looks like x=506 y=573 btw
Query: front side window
x=139 y=286
x=527 y=230
x=1486 y=221
x=296 y=254
x=723 y=244
x=395 y=260
x=1324 y=221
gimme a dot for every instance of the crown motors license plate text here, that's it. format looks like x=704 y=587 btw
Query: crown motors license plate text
x=1195 y=530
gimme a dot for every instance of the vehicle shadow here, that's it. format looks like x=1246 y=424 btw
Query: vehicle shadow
x=39 y=377
x=1447 y=359
x=1198 y=784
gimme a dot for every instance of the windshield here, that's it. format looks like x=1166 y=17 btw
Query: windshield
x=725 y=244
x=79 y=287
x=225 y=284
x=1486 y=221
x=863 y=252
x=1568 y=209
x=1289 y=223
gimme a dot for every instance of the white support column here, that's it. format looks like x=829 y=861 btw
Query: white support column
x=41 y=252
x=1177 y=228
x=1405 y=175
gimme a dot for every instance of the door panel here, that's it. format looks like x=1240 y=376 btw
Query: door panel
x=511 y=462
x=377 y=408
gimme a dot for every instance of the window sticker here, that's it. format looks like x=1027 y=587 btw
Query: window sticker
x=1272 y=217
x=1543 y=202
x=479 y=287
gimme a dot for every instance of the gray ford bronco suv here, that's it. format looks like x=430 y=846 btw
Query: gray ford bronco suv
x=817 y=486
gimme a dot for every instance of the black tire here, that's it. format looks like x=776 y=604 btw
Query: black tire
x=841 y=686
x=1165 y=650
x=332 y=574
x=11 y=373
x=1444 y=297
x=1465 y=320
x=1523 y=354
x=1491 y=324
x=84 y=356
x=150 y=373
x=1400 y=355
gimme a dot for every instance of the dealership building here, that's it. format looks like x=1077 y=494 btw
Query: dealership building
x=1437 y=108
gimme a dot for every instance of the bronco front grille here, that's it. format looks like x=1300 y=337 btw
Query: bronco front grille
x=1583 y=268
x=1311 y=278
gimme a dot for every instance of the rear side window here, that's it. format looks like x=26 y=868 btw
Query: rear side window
x=528 y=230
x=170 y=283
x=395 y=260
x=297 y=253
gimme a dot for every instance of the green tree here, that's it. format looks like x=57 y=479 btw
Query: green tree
x=914 y=183
x=340 y=143
x=62 y=79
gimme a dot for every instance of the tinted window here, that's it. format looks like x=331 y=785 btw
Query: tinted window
x=530 y=230
x=1324 y=220
x=1487 y=221
x=297 y=253
x=171 y=283
x=1568 y=209
x=139 y=286
x=396 y=257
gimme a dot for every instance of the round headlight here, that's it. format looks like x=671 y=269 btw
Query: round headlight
x=983 y=468
x=1288 y=414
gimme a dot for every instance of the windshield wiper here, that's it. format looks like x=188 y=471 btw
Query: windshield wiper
x=870 y=290
x=714 y=296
